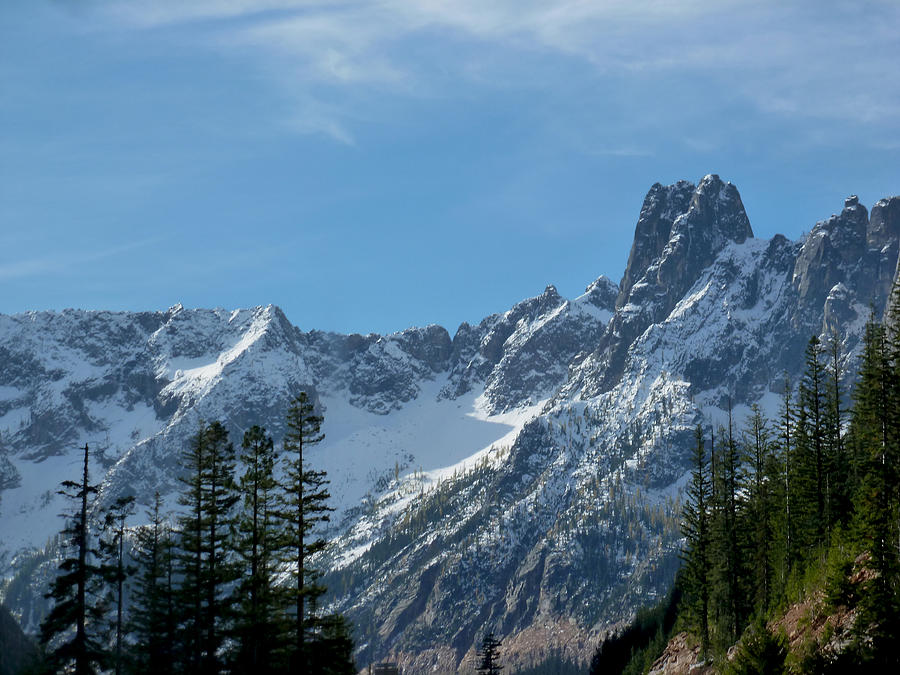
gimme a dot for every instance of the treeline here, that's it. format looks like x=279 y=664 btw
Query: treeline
x=807 y=501
x=632 y=650
x=226 y=586
x=810 y=494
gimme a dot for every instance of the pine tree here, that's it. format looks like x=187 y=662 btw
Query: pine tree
x=875 y=438
x=259 y=626
x=728 y=593
x=695 y=527
x=839 y=505
x=206 y=542
x=189 y=551
x=786 y=447
x=758 y=463
x=115 y=568
x=78 y=592
x=152 y=610
x=304 y=508
x=219 y=525
x=489 y=655
x=813 y=406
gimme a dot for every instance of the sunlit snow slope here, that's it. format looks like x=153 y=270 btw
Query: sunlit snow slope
x=522 y=476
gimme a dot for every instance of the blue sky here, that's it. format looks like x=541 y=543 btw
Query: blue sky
x=373 y=165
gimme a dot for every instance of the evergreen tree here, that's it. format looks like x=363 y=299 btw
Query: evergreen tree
x=787 y=450
x=152 y=609
x=206 y=542
x=759 y=507
x=304 y=507
x=727 y=549
x=489 y=655
x=78 y=592
x=839 y=505
x=259 y=626
x=814 y=435
x=875 y=438
x=115 y=568
x=695 y=527
x=189 y=553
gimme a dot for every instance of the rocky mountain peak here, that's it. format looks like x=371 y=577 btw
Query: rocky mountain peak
x=682 y=226
x=717 y=210
x=662 y=205
x=715 y=218
x=602 y=293
x=884 y=223
x=680 y=232
x=833 y=252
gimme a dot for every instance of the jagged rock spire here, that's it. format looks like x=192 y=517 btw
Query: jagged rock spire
x=680 y=227
x=681 y=230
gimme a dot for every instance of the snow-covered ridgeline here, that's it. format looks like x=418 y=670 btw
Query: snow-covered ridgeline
x=522 y=473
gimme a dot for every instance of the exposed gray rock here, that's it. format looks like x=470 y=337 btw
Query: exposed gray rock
x=680 y=232
x=574 y=519
x=521 y=357
x=884 y=223
x=602 y=293
x=661 y=207
x=882 y=239
x=833 y=251
x=478 y=350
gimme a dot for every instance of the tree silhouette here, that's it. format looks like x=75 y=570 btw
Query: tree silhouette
x=488 y=655
x=77 y=592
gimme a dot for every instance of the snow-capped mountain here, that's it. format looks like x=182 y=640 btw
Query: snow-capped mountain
x=522 y=476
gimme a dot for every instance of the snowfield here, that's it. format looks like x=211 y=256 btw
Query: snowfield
x=524 y=473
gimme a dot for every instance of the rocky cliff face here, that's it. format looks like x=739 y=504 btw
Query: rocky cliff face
x=681 y=230
x=522 y=356
x=521 y=476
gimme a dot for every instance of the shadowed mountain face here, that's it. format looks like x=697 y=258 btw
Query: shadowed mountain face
x=522 y=476
x=681 y=230
x=18 y=652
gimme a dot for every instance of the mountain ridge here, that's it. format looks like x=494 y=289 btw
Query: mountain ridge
x=553 y=434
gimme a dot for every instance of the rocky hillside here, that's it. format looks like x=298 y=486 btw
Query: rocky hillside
x=521 y=476
x=813 y=632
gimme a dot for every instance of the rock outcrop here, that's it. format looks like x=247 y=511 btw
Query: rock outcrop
x=681 y=230
x=523 y=474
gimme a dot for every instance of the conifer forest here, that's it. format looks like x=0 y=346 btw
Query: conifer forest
x=775 y=511
x=778 y=511
x=692 y=473
x=437 y=337
x=227 y=585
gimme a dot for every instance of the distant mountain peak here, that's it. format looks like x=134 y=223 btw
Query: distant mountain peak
x=495 y=479
x=683 y=225
x=602 y=292
x=681 y=230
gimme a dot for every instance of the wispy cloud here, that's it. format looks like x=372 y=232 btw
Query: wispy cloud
x=61 y=263
x=805 y=60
